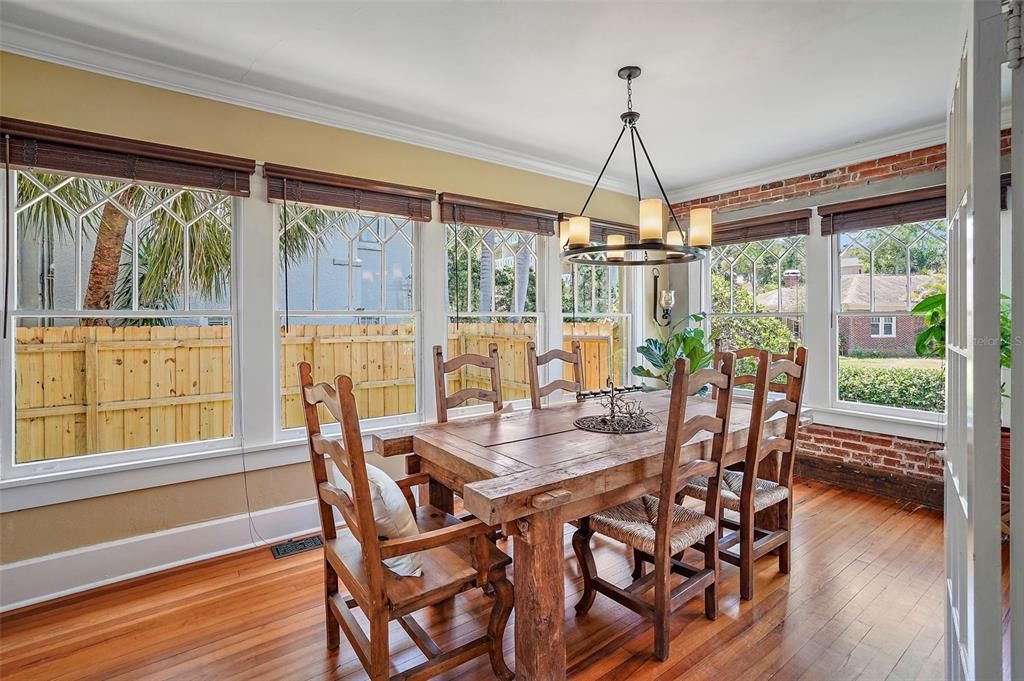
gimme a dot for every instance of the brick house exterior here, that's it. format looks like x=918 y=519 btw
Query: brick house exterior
x=855 y=336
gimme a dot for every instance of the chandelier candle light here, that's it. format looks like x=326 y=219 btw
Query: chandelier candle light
x=654 y=246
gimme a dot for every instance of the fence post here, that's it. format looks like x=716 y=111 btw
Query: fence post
x=92 y=416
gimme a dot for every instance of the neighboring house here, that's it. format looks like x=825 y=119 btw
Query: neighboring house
x=892 y=332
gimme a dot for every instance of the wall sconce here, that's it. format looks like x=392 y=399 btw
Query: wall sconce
x=666 y=300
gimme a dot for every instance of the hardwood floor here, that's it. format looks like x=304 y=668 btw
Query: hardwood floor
x=864 y=601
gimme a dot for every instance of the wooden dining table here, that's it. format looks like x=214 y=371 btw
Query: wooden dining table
x=530 y=471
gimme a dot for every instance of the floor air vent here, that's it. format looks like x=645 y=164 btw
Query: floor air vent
x=293 y=546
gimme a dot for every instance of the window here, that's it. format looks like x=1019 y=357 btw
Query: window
x=348 y=278
x=883 y=327
x=593 y=313
x=492 y=298
x=758 y=293
x=123 y=316
x=887 y=270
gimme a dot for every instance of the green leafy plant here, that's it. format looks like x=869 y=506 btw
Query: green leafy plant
x=931 y=341
x=662 y=352
x=906 y=387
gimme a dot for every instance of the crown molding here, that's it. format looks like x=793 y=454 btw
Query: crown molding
x=47 y=47
x=856 y=153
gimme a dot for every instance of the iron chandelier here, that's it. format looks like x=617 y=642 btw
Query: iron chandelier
x=654 y=246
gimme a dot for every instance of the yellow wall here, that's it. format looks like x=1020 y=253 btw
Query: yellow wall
x=44 y=92
x=59 y=95
x=61 y=527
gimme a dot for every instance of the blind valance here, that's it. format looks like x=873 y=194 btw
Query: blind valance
x=49 y=147
x=469 y=210
x=790 y=223
x=600 y=229
x=342 y=191
x=882 y=211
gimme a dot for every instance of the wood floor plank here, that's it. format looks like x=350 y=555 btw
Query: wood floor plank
x=864 y=600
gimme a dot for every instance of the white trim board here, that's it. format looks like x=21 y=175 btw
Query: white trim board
x=35 y=580
x=37 y=45
x=857 y=153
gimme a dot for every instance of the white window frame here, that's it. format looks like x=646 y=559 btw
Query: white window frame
x=820 y=335
x=298 y=434
x=103 y=461
x=883 y=321
x=927 y=424
x=542 y=252
x=629 y=303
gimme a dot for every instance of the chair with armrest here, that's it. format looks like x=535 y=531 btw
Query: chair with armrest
x=659 y=532
x=454 y=556
x=535 y=361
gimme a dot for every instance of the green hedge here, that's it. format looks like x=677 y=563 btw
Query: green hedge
x=895 y=387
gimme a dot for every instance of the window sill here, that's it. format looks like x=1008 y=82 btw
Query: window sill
x=927 y=429
x=55 y=488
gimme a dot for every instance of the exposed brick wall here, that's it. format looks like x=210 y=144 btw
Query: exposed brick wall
x=888 y=453
x=858 y=174
x=855 y=334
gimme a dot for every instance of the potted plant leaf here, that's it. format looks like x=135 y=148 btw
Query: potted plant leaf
x=931 y=342
x=675 y=342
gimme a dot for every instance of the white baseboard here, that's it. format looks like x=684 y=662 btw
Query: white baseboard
x=40 y=579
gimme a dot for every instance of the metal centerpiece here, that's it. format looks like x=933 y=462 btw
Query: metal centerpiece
x=622 y=415
x=654 y=246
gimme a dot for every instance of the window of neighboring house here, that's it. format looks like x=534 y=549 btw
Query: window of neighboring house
x=492 y=298
x=883 y=327
x=758 y=293
x=887 y=270
x=349 y=282
x=123 y=317
x=594 y=312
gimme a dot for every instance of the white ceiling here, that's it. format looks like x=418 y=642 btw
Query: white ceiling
x=728 y=89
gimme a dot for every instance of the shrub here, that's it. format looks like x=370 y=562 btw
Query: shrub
x=911 y=388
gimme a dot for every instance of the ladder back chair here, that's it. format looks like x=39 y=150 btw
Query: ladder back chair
x=748 y=493
x=443 y=368
x=456 y=556
x=659 y=532
x=769 y=469
x=535 y=361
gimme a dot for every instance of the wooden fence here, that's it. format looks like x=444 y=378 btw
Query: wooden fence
x=83 y=390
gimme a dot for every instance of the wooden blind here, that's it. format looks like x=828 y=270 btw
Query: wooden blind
x=49 y=147
x=791 y=223
x=342 y=191
x=469 y=210
x=882 y=211
x=600 y=229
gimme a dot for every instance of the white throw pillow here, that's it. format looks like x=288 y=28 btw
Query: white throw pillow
x=394 y=520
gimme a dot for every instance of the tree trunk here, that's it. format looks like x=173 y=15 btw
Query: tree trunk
x=106 y=261
x=486 y=277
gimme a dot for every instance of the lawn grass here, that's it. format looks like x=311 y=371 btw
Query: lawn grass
x=893 y=362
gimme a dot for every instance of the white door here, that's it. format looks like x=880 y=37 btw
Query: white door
x=973 y=608
x=1016 y=202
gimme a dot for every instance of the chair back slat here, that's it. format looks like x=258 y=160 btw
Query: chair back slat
x=746 y=353
x=703 y=377
x=348 y=456
x=680 y=430
x=340 y=499
x=443 y=368
x=535 y=361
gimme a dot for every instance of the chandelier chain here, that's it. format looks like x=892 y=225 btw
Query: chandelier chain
x=629 y=94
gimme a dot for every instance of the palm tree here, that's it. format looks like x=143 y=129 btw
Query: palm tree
x=52 y=204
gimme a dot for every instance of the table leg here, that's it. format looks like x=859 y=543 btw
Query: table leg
x=540 y=597
x=441 y=497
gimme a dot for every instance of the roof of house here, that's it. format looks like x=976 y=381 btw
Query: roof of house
x=890 y=293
